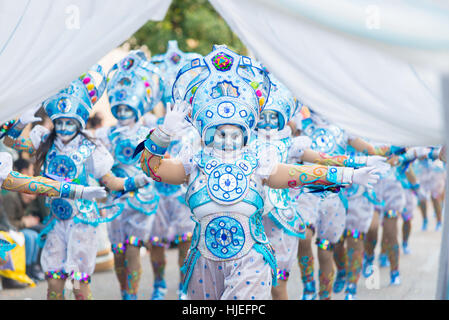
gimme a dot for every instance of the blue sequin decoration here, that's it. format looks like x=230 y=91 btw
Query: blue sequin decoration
x=224 y=237
x=62 y=166
x=61 y=209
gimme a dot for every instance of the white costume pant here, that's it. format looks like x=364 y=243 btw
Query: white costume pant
x=247 y=278
x=172 y=222
x=70 y=247
x=325 y=213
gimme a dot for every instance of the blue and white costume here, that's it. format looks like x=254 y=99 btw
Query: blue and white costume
x=173 y=223
x=283 y=223
x=324 y=212
x=230 y=255
x=68 y=249
x=169 y=64
x=136 y=85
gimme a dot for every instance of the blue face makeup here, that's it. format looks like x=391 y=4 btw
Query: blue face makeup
x=124 y=113
x=268 y=120
x=66 y=128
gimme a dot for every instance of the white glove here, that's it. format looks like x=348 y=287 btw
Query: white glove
x=421 y=152
x=28 y=116
x=92 y=193
x=174 y=118
x=365 y=176
x=141 y=180
x=299 y=145
x=374 y=161
x=297 y=119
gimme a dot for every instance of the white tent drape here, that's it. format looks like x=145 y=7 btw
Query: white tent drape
x=319 y=50
x=45 y=44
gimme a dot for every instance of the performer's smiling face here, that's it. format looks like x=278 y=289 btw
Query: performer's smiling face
x=228 y=138
x=125 y=115
x=66 y=128
x=269 y=120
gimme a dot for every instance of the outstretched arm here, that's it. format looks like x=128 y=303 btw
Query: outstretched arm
x=124 y=184
x=18 y=182
x=13 y=137
x=292 y=176
x=152 y=160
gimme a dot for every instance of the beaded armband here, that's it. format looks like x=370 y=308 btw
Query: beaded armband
x=356 y=162
x=15 y=131
x=434 y=153
x=70 y=190
x=130 y=184
x=340 y=175
x=157 y=142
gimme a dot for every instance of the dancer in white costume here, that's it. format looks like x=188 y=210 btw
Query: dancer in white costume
x=325 y=212
x=173 y=225
x=273 y=137
x=133 y=89
x=68 y=153
x=431 y=177
x=230 y=256
x=16 y=182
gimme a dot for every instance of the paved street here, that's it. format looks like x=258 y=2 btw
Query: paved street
x=418 y=273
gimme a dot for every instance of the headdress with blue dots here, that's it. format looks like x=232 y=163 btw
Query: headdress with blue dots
x=170 y=63
x=77 y=100
x=136 y=83
x=223 y=88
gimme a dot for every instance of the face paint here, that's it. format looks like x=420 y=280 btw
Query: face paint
x=125 y=115
x=269 y=120
x=228 y=138
x=66 y=128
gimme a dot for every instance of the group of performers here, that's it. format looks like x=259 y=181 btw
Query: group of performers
x=238 y=174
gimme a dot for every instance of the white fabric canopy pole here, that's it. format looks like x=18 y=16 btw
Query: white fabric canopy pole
x=443 y=271
x=365 y=91
x=45 y=44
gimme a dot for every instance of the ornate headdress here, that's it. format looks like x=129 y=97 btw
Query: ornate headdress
x=223 y=88
x=136 y=84
x=170 y=63
x=281 y=100
x=77 y=100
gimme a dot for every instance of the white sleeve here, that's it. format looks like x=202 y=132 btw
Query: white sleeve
x=37 y=135
x=268 y=161
x=5 y=165
x=102 y=134
x=149 y=120
x=299 y=145
x=185 y=155
x=100 y=162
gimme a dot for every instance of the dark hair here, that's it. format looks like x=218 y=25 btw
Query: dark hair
x=95 y=120
x=41 y=152
x=21 y=164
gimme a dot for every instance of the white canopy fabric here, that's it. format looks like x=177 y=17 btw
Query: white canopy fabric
x=45 y=44
x=326 y=54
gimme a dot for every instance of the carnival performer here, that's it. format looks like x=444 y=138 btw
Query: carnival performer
x=133 y=89
x=392 y=203
x=68 y=153
x=325 y=212
x=283 y=223
x=431 y=177
x=173 y=226
x=230 y=256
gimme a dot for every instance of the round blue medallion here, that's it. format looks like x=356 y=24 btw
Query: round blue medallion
x=61 y=208
x=62 y=166
x=224 y=237
x=227 y=184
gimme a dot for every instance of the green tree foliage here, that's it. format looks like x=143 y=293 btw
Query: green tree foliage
x=194 y=24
